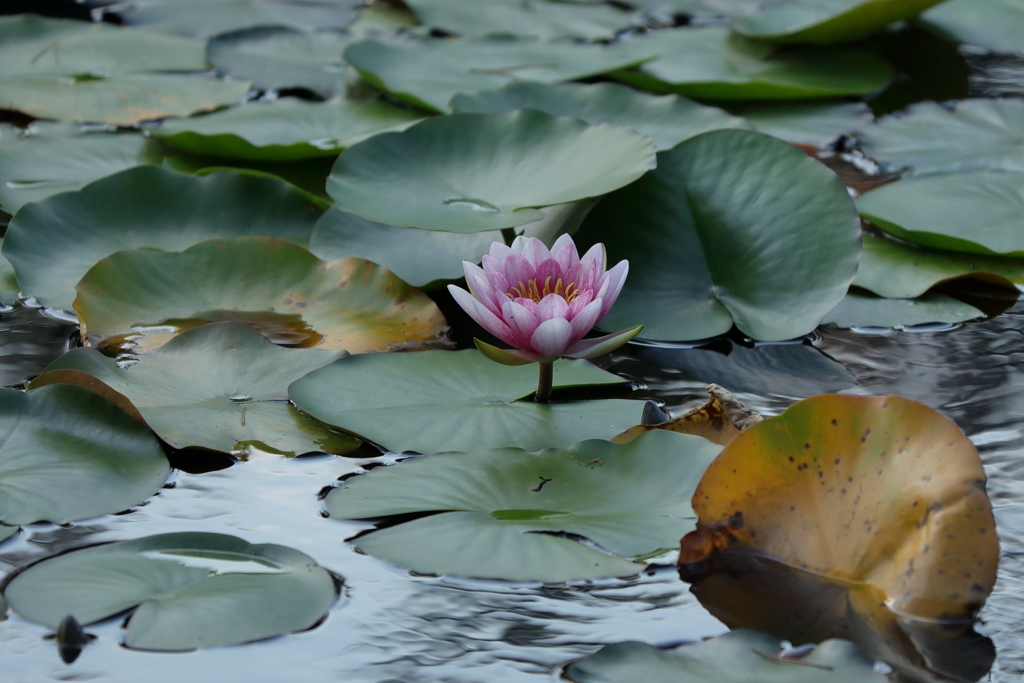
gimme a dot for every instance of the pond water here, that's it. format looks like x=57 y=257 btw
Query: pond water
x=390 y=626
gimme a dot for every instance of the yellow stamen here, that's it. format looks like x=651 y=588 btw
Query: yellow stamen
x=531 y=289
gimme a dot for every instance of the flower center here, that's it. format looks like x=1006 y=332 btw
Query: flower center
x=533 y=290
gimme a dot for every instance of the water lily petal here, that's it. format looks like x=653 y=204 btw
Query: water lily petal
x=522 y=321
x=595 y=255
x=549 y=269
x=480 y=287
x=518 y=270
x=552 y=337
x=581 y=300
x=535 y=252
x=480 y=314
x=592 y=348
x=499 y=251
x=518 y=244
x=552 y=306
x=506 y=356
x=613 y=281
x=585 y=320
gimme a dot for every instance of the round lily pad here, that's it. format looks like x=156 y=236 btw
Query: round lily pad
x=222 y=386
x=286 y=129
x=734 y=227
x=865 y=310
x=995 y=24
x=668 y=119
x=420 y=257
x=278 y=57
x=898 y=270
x=834 y=21
x=138 y=300
x=443 y=401
x=427 y=73
x=185 y=590
x=809 y=124
x=477 y=172
x=52 y=243
x=67 y=454
x=736 y=657
x=714 y=63
x=542 y=18
x=970 y=135
x=981 y=213
x=505 y=514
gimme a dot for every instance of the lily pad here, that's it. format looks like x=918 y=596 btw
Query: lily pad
x=832 y=21
x=10 y=291
x=444 y=401
x=308 y=175
x=67 y=455
x=899 y=270
x=504 y=514
x=476 y=172
x=668 y=119
x=185 y=590
x=980 y=213
x=540 y=18
x=138 y=300
x=221 y=387
x=970 y=135
x=286 y=129
x=714 y=63
x=52 y=243
x=995 y=24
x=278 y=57
x=736 y=657
x=865 y=310
x=818 y=125
x=734 y=227
x=428 y=73
x=882 y=494
x=5 y=533
x=36 y=166
x=420 y=257
x=204 y=18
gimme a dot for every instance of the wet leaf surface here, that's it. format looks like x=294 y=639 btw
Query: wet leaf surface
x=714 y=240
x=185 y=590
x=141 y=298
x=858 y=309
x=516 y=515
x=54 y=242
x=476 y=172
x=221 y=387
x=441 y=401
x=68 y=455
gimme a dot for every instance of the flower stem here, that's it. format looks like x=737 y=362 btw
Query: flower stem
x=544 y=382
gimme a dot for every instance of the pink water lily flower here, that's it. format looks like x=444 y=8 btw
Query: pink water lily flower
x=543 y=302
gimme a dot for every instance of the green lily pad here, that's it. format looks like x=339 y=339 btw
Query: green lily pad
x=5 y=533
x=10 y=291
x=420 y=257
x=52 y=243
x=980 y=213
x=713 y=63
x=278 y=57
x=477 y=172
x=138 y=300
x=899 y=270
x=67 y=454
x=995 y=24
x=286 y=129
x=973 y=135
x=542 y=19
x=498 y=514
x=668 y=120
x=35 y=166
x=428 y=73
x=443 y=401
x=307 y=175
x=732 y=227
x=221 y=387
x=204 y=18
x=831 y=21
x=865 y=310
x=736 y=657
x=186 y=590
x=809 y=124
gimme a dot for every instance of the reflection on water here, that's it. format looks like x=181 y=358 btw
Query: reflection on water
x=29 y=341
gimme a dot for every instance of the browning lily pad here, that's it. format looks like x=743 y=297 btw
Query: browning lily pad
x=67 y=454
x=286 y=129
x=137 y=300
x=512 y=514
x=443 y=401
x=222 y=387
x=540 y=18
x=185 y=590
x=734 y=227
x=477 y=172
x=52 y=243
